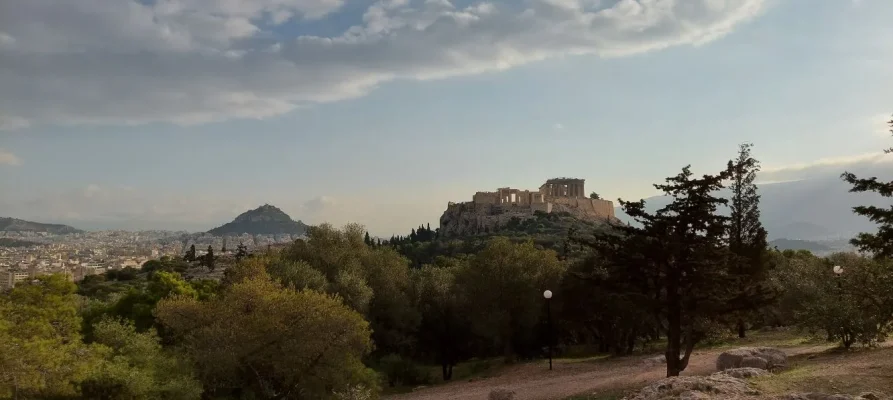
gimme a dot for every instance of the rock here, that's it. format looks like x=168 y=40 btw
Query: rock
x=747 y=357
x=744 y=373
x=754 y=362
x=501 y=394
x=718 y=386
x=816 y=396
x=868 y=396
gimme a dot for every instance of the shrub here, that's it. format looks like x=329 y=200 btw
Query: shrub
x=399 y=371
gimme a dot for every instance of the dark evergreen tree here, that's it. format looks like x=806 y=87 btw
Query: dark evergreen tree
x=367 y=239
x=674 y=265
x=594 y=195
x=241 y=251
x=880 y=243
x=209 y=259
x=378 y=242
x=190 y=254
x=747 y=237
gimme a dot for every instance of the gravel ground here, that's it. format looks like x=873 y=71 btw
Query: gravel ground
x=534 y=381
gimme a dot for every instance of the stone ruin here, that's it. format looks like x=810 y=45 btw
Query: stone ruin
x=488 y=211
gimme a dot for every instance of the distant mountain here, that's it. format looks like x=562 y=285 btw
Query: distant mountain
x=264 y=220
x=793 y=244
x=812 y=209
x=20 y=225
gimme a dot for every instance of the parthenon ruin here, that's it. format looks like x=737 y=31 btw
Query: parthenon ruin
x=488 y=209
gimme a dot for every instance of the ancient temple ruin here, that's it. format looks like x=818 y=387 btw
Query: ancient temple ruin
x=492 y=209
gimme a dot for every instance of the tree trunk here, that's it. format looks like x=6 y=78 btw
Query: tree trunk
x=674 y=325
x=741 y=330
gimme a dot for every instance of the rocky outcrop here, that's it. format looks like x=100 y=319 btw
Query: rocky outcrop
x=713 y=387
x=822 y=396
x=767 y=358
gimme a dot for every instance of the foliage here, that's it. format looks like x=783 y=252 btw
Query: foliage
x=880 y=243
x=41 y=353
x=399 y=371
x=505 y=282
x=747 y=237
x=856 y=307
x=137 y=367
x=260 y=339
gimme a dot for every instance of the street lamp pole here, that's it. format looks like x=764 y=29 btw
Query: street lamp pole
x=548 y=296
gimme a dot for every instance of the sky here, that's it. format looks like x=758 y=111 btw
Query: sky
x=181 y=114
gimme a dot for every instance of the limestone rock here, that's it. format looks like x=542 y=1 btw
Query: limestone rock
x=768 y=358
x=718 y=386
x=744 y=373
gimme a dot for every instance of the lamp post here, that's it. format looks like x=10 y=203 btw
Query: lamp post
x=548 y=296
x=838 y=270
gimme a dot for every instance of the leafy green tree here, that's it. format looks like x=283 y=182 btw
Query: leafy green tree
x=594 y=196
x=41 y=352
x=137 y=367
x=505 y=282
x=747 y=237
x=444 y=330
x=880 y=243
x=260 y=340
x=854 y=307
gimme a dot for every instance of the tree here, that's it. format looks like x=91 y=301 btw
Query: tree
x=747 y=237
x=190 y=254
x=367 y=239
x=880 y=243
x=443 y=331
x=260 y=340
x=41 y=352
x=505 y=282
x=594 y=196
x=223 y=248
x=677 y=259
x=136 y=367
x=241 y=251
x=209 y=259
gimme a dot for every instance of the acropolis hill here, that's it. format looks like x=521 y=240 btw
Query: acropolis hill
x=489 y=211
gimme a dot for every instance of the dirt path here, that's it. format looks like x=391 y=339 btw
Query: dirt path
x=535 y=382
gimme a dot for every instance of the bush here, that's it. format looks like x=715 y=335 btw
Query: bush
x=399 y=371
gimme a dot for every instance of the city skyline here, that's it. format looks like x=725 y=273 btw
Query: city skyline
x=182 y=114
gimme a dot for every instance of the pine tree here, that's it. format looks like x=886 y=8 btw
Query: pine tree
x=880 y=244
x=367 y=239
x=747 y=237
x=241 y=251
x=675 y=261
x=378 y=244
x=190 y=254
x=209 y=259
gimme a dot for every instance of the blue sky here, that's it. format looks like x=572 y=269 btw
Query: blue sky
x=185 y=113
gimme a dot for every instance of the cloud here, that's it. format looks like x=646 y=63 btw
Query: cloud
x=826 y=167
x=195 y=61
x=557 y=126
x=7 y=158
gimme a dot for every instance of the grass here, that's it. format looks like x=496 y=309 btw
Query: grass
x=834 y=372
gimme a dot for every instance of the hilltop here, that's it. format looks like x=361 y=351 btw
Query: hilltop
x=20 y=225
x=264 y=220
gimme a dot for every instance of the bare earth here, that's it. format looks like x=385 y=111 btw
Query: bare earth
x=534 y=381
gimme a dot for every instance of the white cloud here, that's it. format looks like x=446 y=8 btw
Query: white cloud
x=881 y=124
x=194 y=61
x=558 y=126
x=824 y=167
x=7 y=158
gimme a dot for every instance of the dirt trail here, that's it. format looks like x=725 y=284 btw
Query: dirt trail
x=535 y=382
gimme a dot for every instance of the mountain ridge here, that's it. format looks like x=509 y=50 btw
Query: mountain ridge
x=9 y=224
x=264 y=220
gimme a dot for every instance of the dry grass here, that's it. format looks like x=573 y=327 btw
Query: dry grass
x=834 y=371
